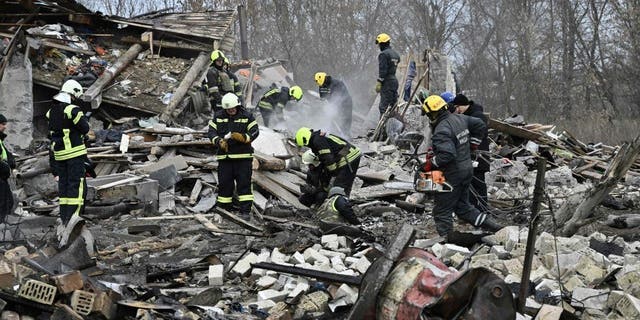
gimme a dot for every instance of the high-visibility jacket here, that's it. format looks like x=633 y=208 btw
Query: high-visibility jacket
x=67 y=128
x=337 y=209
x=334 y=152
x=242 y=122
x=220 y=82
x=275 y=99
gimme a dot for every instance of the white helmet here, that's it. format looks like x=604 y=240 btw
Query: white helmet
x=230 y=101
x=73 y=88
x=309 y=158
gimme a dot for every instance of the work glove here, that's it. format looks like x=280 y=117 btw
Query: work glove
x=437 y=176
x=378 y=86
x=224 y=146
x=237 y=136
x=307 y=189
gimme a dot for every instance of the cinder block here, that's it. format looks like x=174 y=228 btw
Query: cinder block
x=311 y=256
x=348 y=292
x=330 y=254
x=297 y=258
x=301 y=287
x=330 y=241
x=342 y=242
x=216 y=275
x=6 y=275
x=69 y=282
x=549 y=312
x=243 y=267
x=361 y=265
x=629 y=306
x=264 y=305
x=337 y=264
x=264 y=256
x=82 y=302
x=514 y=266
x=589 y=298
x=450 y=249
x=103 y=305
x=500 y=252
x=277 y=256
x=37 y=291
x=349 y=261
x=614 y=297
x=266 y=282
x=273 y=295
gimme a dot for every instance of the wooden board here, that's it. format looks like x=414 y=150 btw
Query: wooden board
x=377 y=191
x=284 y=182
x=274 y=188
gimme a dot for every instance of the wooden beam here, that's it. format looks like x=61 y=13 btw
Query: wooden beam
x=274 y=188
x=514 y=131
x=110 y=73
x=187 y=82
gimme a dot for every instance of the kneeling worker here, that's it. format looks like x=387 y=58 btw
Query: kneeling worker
x=337 y=208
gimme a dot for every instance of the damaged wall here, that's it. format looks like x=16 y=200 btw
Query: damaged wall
x=16 y=102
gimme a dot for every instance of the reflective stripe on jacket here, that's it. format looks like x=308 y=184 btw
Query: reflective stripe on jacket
x=67 y=128
x=242 y=122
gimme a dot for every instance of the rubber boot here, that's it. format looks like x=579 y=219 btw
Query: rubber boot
x=491 y=225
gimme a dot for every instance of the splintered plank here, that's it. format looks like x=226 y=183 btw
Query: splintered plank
x=274 y=188
x=373 y=192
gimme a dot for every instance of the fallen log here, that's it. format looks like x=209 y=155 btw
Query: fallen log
x=201 y=62
x=110 y=73
x=578 y=209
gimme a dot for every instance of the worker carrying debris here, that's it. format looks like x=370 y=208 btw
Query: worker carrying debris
x=67 y=129
x=387 y=83
x=337 y=156
x=337 y=95
x=478 y=194
x=7 y=162
x=314 y=192
x=272 y=103
x=454 y=137
x=232 y=130
x=220 y=80
x=337 y=208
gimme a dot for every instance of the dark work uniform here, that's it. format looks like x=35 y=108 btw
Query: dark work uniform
x=338 y=157
x=452 y=135
x=234 y=165
x=478 y=198
x=388 y=61
x=336 y=93
x=67 y=128
x=219 y=83
x=337 y=209
x=7 y=162
x=272 y=105
x=317 y=186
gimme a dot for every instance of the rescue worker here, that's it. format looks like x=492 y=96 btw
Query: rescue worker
x=220 y=80
x=337 y=94
x=232 y=130
x=337 y=156
x=337 y=208
x=478 y=196
x=7 y=163
x=454 y=136
x=67 y=129
x=314 y=192
x=387 y=83
x=272 y=103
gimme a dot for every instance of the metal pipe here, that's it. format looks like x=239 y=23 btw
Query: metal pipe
x=538 y=194
x=242 y=20
x=320 y=275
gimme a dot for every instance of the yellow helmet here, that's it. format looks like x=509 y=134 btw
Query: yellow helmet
x=383 y=38
x=433 y=103
x=303 y=136
x=296 y=92
x=320 y=78
x=216 y=54
x=226 y=60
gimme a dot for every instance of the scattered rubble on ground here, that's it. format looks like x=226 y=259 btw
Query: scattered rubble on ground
x=163 y=251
